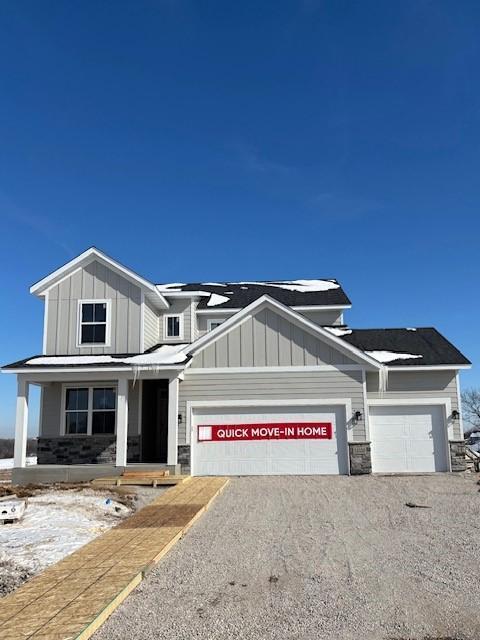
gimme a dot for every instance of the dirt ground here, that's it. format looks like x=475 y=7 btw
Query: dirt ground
x=59 y=519
x=319 y=557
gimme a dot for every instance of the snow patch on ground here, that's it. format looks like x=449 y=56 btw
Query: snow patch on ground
x=338 y=331
x=216 y=299
x=390 y=356
x=7 y=463
x=55 y=524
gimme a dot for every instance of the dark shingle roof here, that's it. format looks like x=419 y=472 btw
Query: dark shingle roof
x=425 y=341
x=241 y=294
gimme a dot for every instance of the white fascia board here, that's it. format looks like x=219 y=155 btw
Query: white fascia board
x=229 y=311
x=331 y=307
x=430 y=367
x=183 y=294
x=321 y=307
x=274 y=369
x=289 y=314
x=42 y=286
x=80 y=369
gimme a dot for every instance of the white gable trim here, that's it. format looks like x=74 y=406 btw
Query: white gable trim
x=303 y=322
x=42 y=286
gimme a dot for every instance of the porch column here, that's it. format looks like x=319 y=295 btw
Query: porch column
x=122 y=422
x=172 y=453
x=21 y=423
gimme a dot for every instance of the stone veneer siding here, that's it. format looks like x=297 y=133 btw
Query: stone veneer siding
x=84 y=450
x=360 y=458
x=457 y=455
x=184 y=457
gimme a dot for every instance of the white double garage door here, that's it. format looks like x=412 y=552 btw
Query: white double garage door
x=403 y=439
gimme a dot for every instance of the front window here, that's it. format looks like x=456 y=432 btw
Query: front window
x=90 y=410
x=76 y=411
x=93 y=322
x=174 y=326
x=103 y=411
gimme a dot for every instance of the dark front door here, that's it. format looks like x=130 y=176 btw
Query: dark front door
x=155 y=421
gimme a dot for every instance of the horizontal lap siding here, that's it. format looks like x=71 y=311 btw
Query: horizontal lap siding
x=94 y=282
x=180 y=307
x=202 y=322
x=408 y=385
x=151 y=332
x=272 y=386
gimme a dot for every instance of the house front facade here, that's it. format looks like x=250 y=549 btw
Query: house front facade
x=219 y=378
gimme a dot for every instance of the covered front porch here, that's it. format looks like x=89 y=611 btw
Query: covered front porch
x=98 y=424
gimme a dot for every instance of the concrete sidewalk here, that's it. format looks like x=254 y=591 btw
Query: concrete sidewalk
x=74 y=597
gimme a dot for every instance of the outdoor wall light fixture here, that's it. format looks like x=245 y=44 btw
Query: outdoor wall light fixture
x=357 y=416
x=455 y=415
x=180 y=418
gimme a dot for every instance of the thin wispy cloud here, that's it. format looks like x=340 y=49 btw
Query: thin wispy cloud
x=37 y=223
x=338 y=206
x=253 y=160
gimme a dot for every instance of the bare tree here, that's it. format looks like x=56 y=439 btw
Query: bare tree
x=471 y=410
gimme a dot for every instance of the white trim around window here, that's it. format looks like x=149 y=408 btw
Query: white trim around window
x=214 y=321
x=90 y=410
x=180 y=326
x=108 y=323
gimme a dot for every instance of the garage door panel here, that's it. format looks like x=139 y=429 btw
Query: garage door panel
x=408 y=439
x=271 y=457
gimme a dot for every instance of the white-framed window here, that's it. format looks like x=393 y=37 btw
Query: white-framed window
x=89 y=410
x=213 y=324
x=94 y=320
x=173 y=326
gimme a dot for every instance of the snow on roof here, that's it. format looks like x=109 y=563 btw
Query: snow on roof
x=164 y=355
x=339 y=331
x=390 y=356
x=214 y=284
x=216 y=299
x=303 y=286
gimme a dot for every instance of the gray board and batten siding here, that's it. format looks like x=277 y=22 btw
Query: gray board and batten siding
x=268 y=340
x=94 y=281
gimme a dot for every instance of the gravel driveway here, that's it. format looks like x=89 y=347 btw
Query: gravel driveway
x=319 y=557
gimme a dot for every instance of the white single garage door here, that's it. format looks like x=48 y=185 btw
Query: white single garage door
x=293 y=440
x=408 y=439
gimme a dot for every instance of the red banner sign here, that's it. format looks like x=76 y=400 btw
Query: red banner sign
x=265 y=431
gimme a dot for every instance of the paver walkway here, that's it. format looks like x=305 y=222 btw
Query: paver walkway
x=71 y=599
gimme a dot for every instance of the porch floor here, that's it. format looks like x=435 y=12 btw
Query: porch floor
x=39 y=473
x=73 y=598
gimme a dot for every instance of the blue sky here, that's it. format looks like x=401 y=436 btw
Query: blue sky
x=221 y=140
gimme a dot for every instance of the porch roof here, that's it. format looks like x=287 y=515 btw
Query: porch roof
x=164 y=356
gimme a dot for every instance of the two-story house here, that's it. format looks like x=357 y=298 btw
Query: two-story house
x=229 y=379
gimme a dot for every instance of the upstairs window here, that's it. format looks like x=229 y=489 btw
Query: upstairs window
x=93 y=322
x=213 y=324
x=174 y=327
